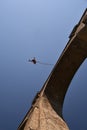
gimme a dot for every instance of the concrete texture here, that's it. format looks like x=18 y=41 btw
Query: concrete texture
x=43 y=117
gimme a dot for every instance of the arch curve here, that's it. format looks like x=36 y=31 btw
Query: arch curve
x=47 y=108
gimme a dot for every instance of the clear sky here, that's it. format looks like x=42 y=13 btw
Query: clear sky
x=37 y=28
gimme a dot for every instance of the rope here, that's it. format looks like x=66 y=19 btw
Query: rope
x=34 y=61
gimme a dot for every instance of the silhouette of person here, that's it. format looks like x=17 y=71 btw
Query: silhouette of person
x=34 y=60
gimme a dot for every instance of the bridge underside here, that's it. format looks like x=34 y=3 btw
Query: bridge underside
x=46 y=110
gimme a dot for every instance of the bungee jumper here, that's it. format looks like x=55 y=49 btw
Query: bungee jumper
x=34 y=61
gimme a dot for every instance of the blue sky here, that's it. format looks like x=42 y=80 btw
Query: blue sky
x=37 y=28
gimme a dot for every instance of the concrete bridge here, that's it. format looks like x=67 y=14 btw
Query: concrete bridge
x=46 y=110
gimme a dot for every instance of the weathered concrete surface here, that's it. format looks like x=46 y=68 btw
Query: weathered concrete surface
x=46 y=110
x=43 y=117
